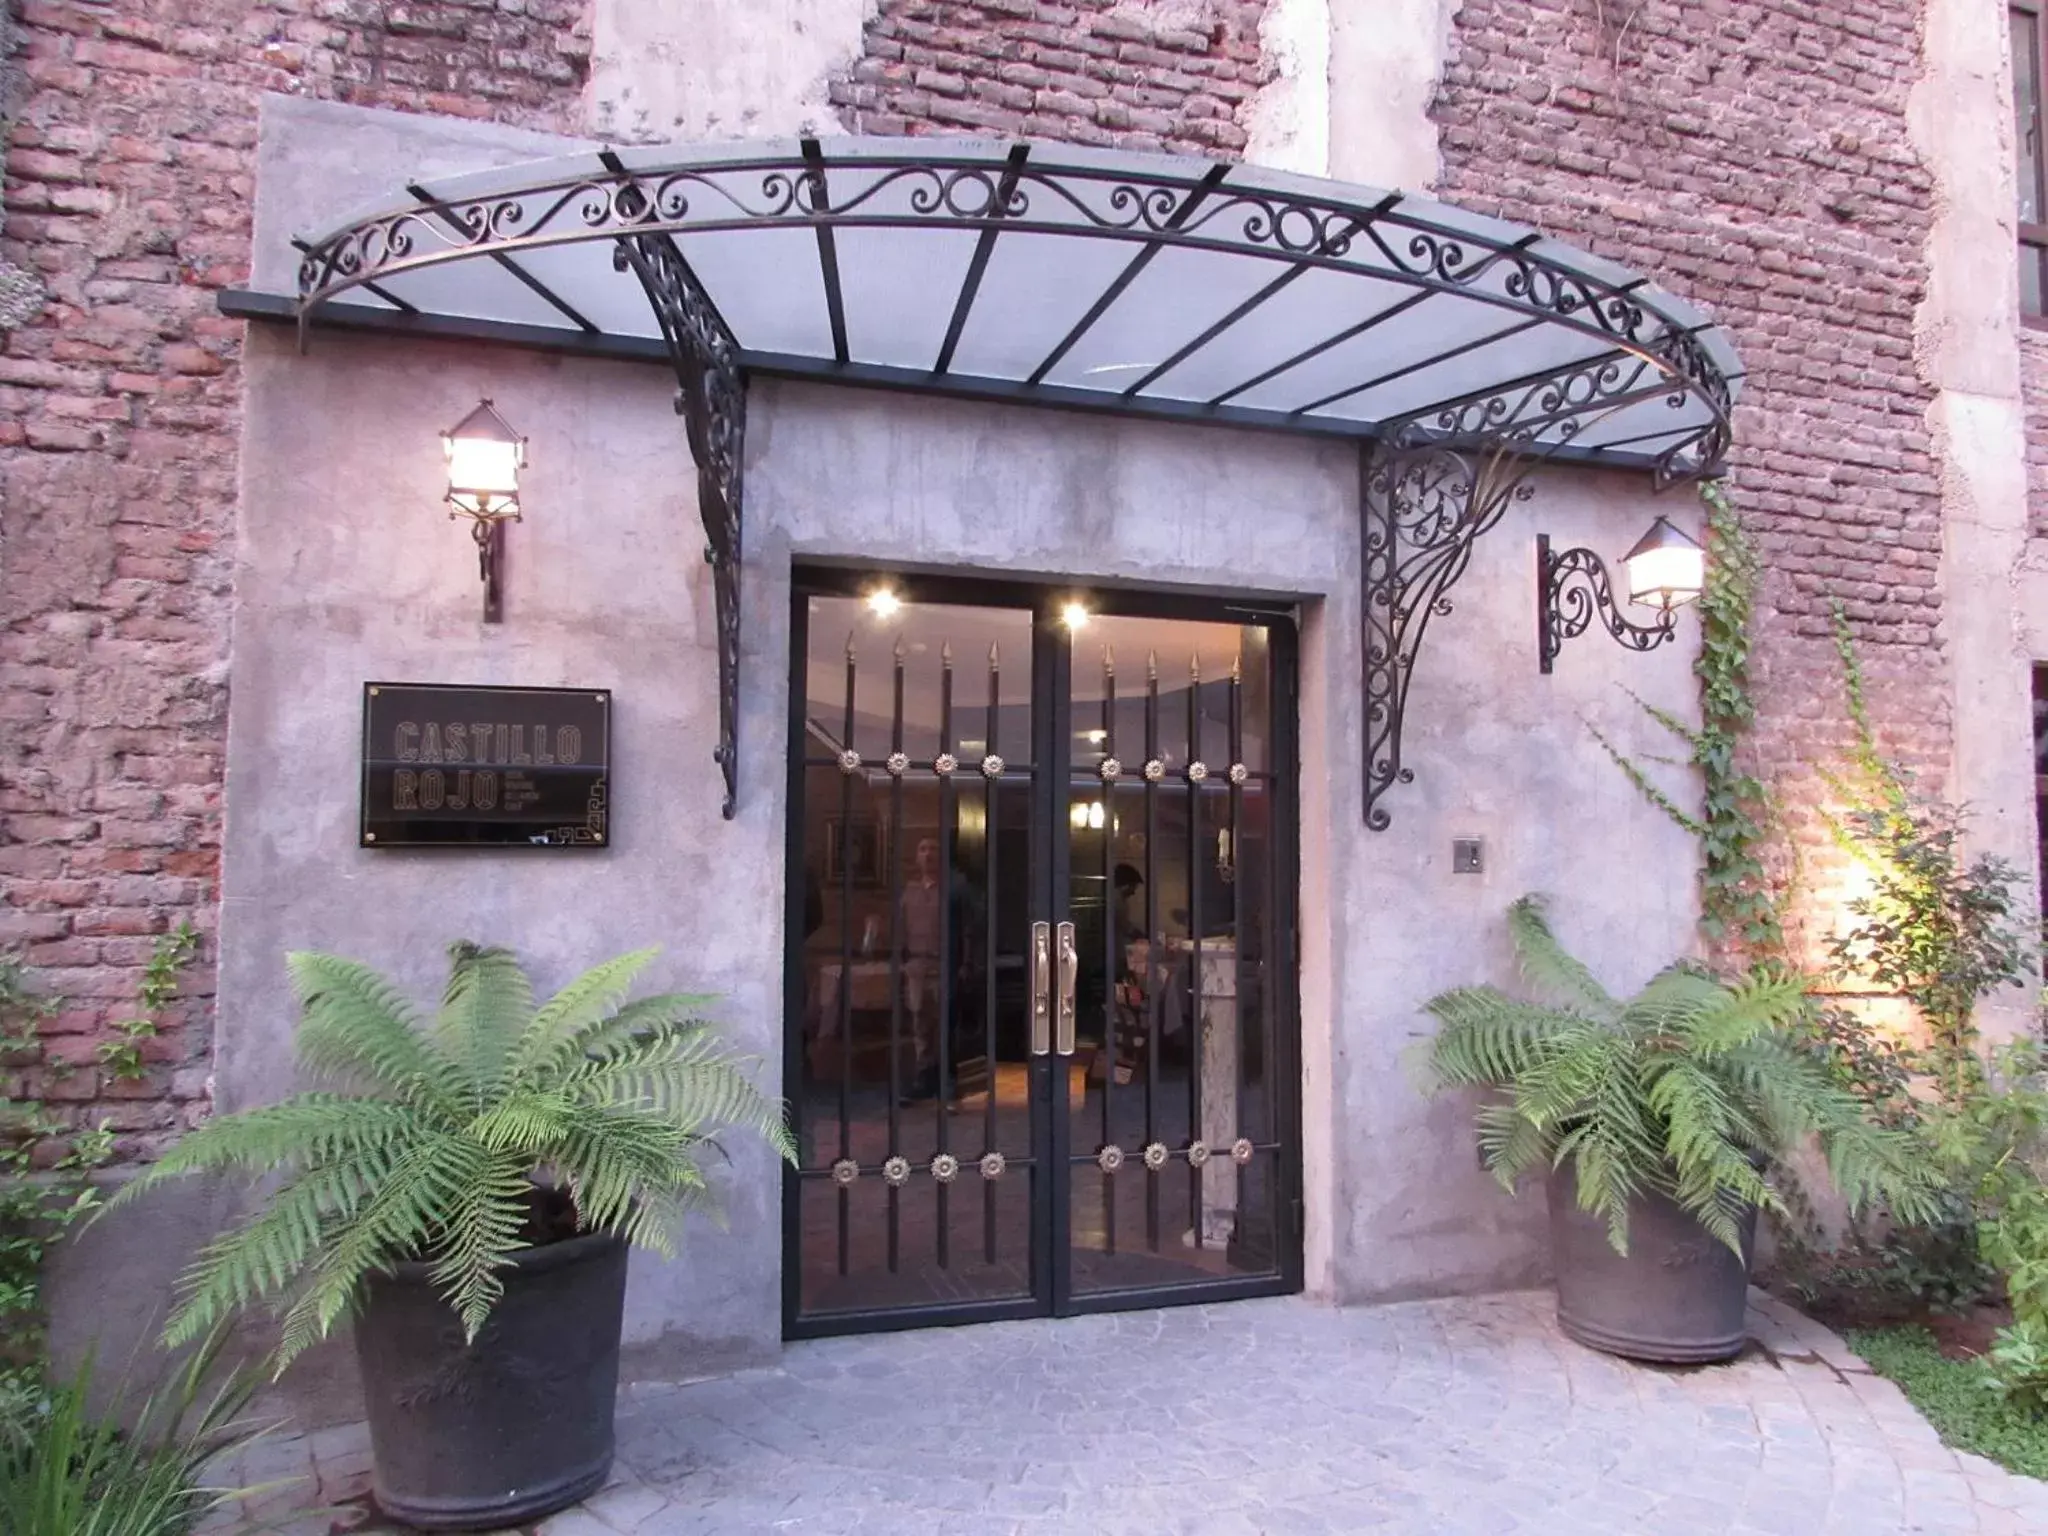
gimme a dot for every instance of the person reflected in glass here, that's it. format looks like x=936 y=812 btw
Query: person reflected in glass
x=924 y=893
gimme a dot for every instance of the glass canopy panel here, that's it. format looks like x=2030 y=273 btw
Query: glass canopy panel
x=1179 y=295
x=583 y=277
x=1310 y=309
x=895 y=284
x=1035 y=289
x=1401 y=344
x=474 y=290
x=766 y=283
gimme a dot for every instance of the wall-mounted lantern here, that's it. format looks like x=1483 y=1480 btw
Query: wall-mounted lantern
x=1666 y=570
x=484 y=459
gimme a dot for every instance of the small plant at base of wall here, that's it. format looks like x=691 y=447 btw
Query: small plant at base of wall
x=168 y=957
x=43 y=1192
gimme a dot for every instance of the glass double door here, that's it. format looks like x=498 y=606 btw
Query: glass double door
x=1041 y=1041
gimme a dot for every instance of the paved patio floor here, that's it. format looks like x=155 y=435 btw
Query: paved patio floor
x=1266 y=1416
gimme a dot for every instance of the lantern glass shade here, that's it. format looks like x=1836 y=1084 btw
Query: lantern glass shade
x=484 y=459
x=1666 y=570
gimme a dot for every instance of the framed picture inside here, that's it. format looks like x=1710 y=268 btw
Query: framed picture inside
x=854 y=849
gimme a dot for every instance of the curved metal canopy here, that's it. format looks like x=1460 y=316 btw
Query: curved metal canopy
x=1148 y=284
x=1459 y=350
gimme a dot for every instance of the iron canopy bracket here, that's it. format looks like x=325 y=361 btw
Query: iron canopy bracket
x=711 y=397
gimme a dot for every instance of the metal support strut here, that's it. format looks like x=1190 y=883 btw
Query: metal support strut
x=711 y=397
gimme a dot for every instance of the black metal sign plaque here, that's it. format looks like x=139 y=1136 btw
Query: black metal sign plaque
x=452 y=767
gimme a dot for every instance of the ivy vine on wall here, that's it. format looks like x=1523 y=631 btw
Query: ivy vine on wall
x=1739 y=905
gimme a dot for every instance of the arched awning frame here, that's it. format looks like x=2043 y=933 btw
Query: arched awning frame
x=1525 y=351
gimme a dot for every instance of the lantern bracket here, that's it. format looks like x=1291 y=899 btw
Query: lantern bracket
x=1571 y=587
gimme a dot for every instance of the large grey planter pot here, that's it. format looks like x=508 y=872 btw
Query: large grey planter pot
x=1680 y=1296
x=512 y=1427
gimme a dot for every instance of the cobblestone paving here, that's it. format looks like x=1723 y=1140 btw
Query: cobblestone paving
x=1270 y=1416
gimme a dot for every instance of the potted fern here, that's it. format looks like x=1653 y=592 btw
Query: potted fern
x=1659 y=1121
x=467 y=1192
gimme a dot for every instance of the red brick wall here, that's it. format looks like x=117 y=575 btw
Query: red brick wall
x=1087 y=72
x=1752 y=155
x=128 y=183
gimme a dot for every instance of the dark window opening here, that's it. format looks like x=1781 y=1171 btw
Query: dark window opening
x=2028 y=74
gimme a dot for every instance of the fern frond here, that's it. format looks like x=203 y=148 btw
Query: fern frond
x=306 y=1131
x=356 y=1026
x=1548 y=966
x=1488 y=1038
x=584 y=1005
x=264 y=1257
x=1510 y=1146
x=686 y=1075
x=484 y=1012
x=393 y=1225
x=479 y=1233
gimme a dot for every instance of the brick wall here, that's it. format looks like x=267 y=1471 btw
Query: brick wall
x=128 y=183
x=1754 y=157
x=1171 y=77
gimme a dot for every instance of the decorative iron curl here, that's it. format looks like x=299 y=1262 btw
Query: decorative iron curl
x=1572 y=588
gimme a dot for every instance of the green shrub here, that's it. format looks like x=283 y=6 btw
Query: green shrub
x=43 y=1192
x=1951 y=1394
x=69 y=1472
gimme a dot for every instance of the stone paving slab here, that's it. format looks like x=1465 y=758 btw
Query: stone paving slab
x=1468 y=1415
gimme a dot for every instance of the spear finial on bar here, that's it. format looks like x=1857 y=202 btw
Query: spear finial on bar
x=1152 y=665
x=1109 y=661
x=849 y=645
x=995 y=657
x=1237 y=667
x=946 y=653
x=1195 y=667
x=901 y=651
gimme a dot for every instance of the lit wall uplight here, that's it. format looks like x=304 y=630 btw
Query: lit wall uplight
x=1085 y=814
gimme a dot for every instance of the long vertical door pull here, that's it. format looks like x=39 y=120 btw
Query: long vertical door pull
x=1041 y=989
x=1070 y=966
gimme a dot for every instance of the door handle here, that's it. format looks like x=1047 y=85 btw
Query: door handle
x=1070 y=964
x=1041 y=989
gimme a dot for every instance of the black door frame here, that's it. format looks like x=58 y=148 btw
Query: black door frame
x=1049 y=882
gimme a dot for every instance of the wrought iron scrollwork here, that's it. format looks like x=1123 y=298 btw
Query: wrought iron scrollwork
x=1570 y=589
x=1445 y=476
x=711 y=397
x=1422 y=504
